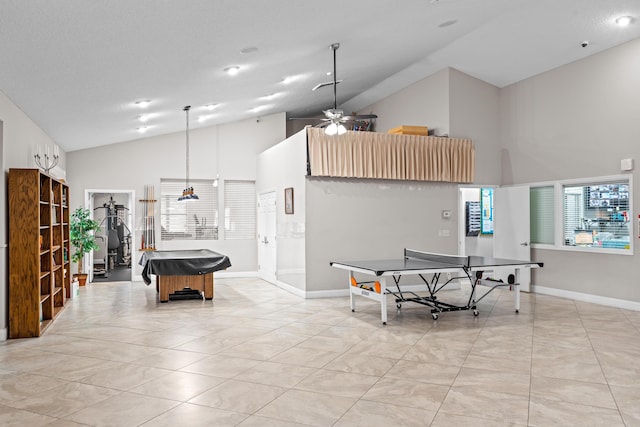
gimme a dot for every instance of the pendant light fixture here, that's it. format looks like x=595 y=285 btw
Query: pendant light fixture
x=187 y=194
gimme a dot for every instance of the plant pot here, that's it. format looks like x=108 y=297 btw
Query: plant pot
x=82 y=279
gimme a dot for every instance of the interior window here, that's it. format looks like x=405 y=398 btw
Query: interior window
x=597 y=215
x=188 y=220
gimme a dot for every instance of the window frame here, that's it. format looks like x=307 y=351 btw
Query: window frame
x=559 y=214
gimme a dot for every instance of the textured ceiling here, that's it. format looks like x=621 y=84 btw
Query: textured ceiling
x=76 y=67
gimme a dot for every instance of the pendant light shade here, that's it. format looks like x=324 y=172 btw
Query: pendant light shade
x=187 y=194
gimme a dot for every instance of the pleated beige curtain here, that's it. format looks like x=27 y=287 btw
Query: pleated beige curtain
x=387 y=156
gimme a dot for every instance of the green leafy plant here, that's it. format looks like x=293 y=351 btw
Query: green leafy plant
x=82 y=233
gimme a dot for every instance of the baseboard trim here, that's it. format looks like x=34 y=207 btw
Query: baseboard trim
x=291 y=289
x=235 y=274
x=579 y=296
x=4 y=334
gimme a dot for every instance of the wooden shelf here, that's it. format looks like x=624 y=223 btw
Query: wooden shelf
x=38 y=231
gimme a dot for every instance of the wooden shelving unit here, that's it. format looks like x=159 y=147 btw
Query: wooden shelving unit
x=39 y=248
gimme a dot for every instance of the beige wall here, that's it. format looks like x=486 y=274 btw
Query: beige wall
x=578 y=121
x=474 y=113
x=425 y=103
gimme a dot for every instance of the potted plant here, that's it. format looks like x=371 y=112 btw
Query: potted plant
x=81 y=230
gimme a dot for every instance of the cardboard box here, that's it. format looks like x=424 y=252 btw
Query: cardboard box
x=409 y=130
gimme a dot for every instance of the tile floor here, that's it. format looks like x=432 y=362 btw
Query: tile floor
x=259 y=356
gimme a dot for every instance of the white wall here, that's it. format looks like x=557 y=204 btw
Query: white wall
x=18 y=139
x=578 y=121
x=229 y=150
x=280 y=167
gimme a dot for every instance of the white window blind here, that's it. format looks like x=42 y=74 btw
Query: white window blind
x=240 y=210
x=192 y=220
x=542 y=214
x=572 y=212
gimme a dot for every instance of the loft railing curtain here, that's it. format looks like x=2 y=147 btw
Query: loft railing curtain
x=387 y=156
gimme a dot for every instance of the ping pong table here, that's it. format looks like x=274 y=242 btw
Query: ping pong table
x=425 y=264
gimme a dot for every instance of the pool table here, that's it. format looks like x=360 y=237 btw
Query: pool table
x=178 y=270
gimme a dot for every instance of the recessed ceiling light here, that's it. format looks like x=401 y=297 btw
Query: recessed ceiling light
x=623 y=21
x=260 y=108
x=143 y=103
x=210 y=106
x=232 y=71
x=290 y=79
x=249 y=49
x=143 y=117
x=142 y=129
x=270 y=96
x=204 y=118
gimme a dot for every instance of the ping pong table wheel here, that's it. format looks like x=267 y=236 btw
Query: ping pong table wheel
x=476 y=313
x=517 y=311
x=435 y=316
x=398 y=306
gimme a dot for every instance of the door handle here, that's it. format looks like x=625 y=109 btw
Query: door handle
x=265 y=241
x=524 y=244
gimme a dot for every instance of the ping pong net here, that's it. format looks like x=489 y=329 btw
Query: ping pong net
x=453 y=260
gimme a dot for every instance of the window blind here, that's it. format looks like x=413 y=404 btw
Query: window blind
x=542 y=205
x=192 y=220
x=572 y=213
x=240 y=210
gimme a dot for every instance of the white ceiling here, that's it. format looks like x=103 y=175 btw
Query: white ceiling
x=76 y=67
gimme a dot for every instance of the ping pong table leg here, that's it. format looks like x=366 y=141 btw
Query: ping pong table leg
x=517 y=290
x=383 y=299
x=352 y=299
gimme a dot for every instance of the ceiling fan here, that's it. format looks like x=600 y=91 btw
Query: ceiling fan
x=332 y=122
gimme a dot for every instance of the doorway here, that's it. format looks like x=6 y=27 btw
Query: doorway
x=267 y=237
x=114 y=211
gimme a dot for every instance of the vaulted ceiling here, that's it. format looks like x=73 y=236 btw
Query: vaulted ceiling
x=77 y=67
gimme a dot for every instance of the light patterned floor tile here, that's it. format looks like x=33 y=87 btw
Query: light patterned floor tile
x=260 y=356
x=190 y=415
x=238 y=396
x=377 y=414
x=552 y=413
x=123 y=410
x=408 y=393
x=501 y=407
x=324 y=411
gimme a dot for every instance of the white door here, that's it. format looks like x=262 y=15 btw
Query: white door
x=511 y=227
x=267 y=236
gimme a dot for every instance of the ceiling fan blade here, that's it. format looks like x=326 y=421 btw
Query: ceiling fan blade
x=321 y=85
x=359 y=117
x=308 y=118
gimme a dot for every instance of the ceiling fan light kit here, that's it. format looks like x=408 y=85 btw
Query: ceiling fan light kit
x=334 y=118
